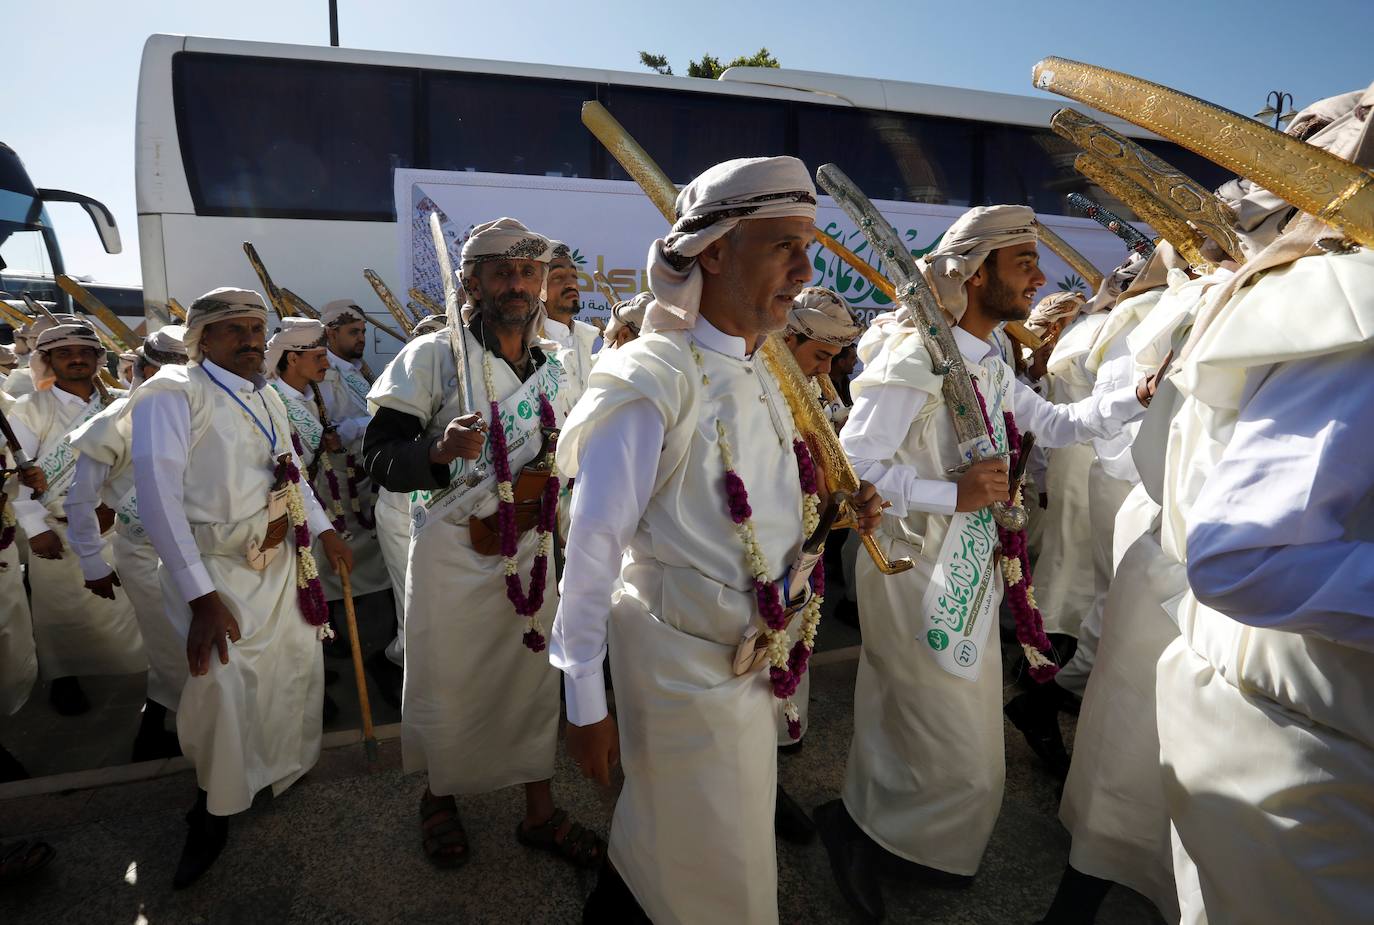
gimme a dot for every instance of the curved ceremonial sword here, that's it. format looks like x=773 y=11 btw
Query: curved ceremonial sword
x=1175 y=191
x=1131 y=236
x=915 y=294
x=1334 y=190
x=1142 y=202
x=459 y=333
x=806 y=412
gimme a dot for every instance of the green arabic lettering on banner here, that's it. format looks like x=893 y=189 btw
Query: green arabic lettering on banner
x=851 y=286
x=966 y=572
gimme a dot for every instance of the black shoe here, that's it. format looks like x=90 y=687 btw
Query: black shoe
x=388 y=676
x=1077 y=900
x=331 y=710
x=791 y=748
x=205 y=838
x=790 y=822
x=847 y=611
x=10 y=768
x=155 y=745
x=67 y=697
x=331 y=677
x=1036 y=715
x=852 y=860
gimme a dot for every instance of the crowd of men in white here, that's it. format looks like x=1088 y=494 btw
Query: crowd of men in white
x=1200 y=544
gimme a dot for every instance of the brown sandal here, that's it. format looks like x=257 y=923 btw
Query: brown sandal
x=445 y=840
x=580 y=847
x=22 y=859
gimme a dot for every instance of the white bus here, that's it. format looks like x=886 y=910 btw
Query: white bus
x=295 y=148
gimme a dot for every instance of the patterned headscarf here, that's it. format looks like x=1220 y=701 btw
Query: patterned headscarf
x=339 y=312
x=294 y=334
x=820 y=314
x=222 y=304
x=708 y=208
x=1055 y=307
x=63 y=335
x=966 y=245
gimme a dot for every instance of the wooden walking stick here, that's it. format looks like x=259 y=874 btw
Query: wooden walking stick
x=369 y=740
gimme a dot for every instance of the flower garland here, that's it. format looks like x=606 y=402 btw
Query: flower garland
x=1015 y=562
x=367 y=521
x=528 y=604
x=785 y=667
x=309 y=591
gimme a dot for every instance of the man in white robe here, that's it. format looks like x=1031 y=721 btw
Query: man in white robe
x=377 y=521
x=926 y=764
x=562 y=302
x=224 y=503
x=104 y=475
x=18 y=659
x=627 y=318
x=664 y=418
x=76 y=634
x=1265 y=490
x=480 y=703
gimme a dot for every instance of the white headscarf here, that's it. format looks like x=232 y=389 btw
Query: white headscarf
x=1115 y=283
x=1052 y=308
x=820 y=314
x=27 y=336
x=163 y=347
x=63 y=335
x=965 y=246
x=429 y=324
x=340 y=311
x=294 y=334
x=223 y=304
x=708 y=208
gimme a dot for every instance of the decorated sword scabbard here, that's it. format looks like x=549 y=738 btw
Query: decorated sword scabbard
x=298 y=304
x=393 y=306
x=1142 y=202
x=177 y=312
x=1180 y=194
x=274 y=296
x=424 y=301
x=125 y=338
x=914 y=293
x=1070 y=255
x=1334 y=190
x=1131 y=236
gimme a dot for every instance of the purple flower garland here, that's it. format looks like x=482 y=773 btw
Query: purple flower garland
x=1030 y=623
x=526 y=605
x=310 y=595
x=783 y=680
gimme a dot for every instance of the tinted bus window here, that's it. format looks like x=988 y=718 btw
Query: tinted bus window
x=277 y=138
x=688 y=132
x=1030 y=167
x=891 y=155
x=507 y=125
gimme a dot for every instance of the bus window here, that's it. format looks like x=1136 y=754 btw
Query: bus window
x=1031 y=167
x=281 y=138
x=890 y=155
x=687 y=132
x=507 y=125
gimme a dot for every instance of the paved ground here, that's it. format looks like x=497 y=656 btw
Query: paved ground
x=342 y=847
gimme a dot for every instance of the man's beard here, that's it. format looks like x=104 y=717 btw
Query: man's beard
x=1000 y=300
x=574 y=306
x=509 y=312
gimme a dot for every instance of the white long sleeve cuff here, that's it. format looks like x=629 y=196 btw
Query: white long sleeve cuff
x=83 y=526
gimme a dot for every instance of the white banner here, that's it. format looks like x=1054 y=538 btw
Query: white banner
x=610 y=224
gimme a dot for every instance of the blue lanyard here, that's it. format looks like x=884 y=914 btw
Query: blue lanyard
x=271 y=437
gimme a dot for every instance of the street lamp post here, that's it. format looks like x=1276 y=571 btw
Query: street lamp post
x=1279 y=105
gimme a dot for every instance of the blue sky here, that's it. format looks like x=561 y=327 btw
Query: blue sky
x=71 y=66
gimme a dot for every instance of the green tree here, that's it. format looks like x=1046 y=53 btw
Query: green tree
x=709 y=67
x=655 y=63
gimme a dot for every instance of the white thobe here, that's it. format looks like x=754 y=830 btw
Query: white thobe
x=1265 y=492
x=479 y=710
x=19 y=382
x=693 y=829
x=18 y=661
x=203 y=468
x=104 y=474
x=926 y=767
x=76 y=632
x=344 y=391
x=1064 y=582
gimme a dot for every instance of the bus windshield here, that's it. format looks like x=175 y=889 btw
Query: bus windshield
x=25 y=231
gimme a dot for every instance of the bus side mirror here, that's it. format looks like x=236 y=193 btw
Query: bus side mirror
x=101 y=217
